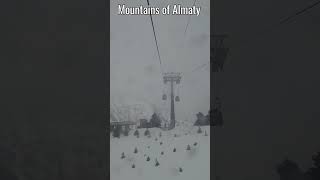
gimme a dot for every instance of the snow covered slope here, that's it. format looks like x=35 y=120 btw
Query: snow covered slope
x=194 y=163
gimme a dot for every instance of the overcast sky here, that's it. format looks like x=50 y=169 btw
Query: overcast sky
x=135 y=75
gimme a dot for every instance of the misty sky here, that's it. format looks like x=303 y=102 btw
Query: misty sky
x=135 y=75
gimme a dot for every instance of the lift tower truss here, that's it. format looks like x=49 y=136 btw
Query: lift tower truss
x=172 y=78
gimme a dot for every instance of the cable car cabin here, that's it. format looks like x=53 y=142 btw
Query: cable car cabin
x=177 y=98
x=164 y=97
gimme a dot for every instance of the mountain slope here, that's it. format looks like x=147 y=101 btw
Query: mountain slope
x=195 y=163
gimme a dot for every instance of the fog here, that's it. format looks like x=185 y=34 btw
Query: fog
x=135 y=71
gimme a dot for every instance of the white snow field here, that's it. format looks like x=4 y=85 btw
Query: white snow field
x=195 y=163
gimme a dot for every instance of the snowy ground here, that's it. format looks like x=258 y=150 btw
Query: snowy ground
x=195 y=163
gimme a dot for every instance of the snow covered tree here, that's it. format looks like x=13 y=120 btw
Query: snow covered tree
x=157 y=163
x=133 y=166
x=162 y=153
x=160 y=134
x=201 y=120
x=188 y=147
x=135 y=150
x=136 y=133
x=155 y=121
x=161 y=143
x=174 y=149
x=195 y=143
x=122 y=155
x=205 y=133
x=147 y=132
x=180 y=169
x=148 y=158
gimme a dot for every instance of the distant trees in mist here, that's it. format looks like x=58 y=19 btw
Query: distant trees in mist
x=290 y=170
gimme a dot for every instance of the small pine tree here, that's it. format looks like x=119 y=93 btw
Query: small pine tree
x=161 y=143
x=133 y=166
x=195 y=143
x=148 y=158
x=188 y=147
x=155 y=121
x=136 y=133
x=147 y=132
x=135 y=150
x=157 y=163
x=162 y=153
x=174 y=149
x=199 y=130
x=180 y=169
x=116 y=132
x=205 y=133
x=122 y=155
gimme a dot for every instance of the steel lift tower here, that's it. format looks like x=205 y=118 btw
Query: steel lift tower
x=173 y=78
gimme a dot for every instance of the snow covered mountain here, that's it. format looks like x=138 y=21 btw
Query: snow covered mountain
x=169 y=148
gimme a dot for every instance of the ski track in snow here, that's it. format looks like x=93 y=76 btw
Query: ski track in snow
x=195 y=163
